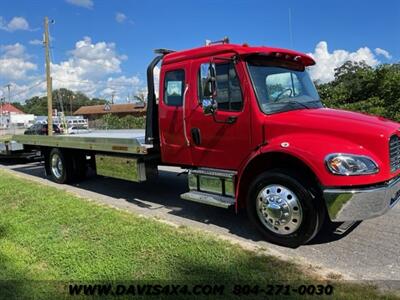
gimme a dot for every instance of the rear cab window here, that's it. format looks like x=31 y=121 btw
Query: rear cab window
x=174 y=85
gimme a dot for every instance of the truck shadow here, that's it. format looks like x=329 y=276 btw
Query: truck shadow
x=161 y=195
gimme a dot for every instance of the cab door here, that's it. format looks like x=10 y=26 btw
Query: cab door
x=222 y=141
x=173 y=91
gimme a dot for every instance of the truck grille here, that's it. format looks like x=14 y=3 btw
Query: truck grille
x=394 y=153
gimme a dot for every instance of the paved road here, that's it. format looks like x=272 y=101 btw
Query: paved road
x=369 y=252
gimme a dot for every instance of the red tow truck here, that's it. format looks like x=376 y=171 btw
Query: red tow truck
x=248 y=124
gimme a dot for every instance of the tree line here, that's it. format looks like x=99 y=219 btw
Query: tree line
x=359 y=87
x=64 y=100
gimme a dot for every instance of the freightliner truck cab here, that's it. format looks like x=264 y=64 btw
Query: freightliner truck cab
x=249 y=125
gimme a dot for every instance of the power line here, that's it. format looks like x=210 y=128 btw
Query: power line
x=8 y=86
x=27 y=89
x=90 y=82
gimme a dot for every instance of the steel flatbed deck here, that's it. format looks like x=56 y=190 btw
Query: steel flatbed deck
x=116 y=141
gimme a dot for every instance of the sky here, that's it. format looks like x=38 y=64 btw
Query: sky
x=101 y=47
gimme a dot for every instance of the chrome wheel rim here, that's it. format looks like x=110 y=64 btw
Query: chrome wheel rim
x=279 y=209
x=57 y=167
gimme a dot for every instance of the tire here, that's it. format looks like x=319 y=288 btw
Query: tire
x=60 y=166
x=284 y=208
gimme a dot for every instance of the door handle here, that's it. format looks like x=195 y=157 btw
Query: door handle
x=228 y=120
x=231 y=119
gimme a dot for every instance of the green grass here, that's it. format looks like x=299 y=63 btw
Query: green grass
x=4 y=138
x=48 y=236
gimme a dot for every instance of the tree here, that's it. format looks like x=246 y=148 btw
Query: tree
x=63 y=100
x=141 y=96
x=360 y=87
x=18 y=105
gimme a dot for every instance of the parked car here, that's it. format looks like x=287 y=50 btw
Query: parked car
x=77 y=130
x=41 y=129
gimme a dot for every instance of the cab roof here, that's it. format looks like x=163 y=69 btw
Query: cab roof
x=241 y=50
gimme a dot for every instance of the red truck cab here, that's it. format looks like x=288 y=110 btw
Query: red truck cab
x=249 y=124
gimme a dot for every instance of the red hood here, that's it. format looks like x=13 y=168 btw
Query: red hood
x=314 y=133
x=347 y=124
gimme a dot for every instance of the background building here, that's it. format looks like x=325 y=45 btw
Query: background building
x=96 y=111
x=12 y=117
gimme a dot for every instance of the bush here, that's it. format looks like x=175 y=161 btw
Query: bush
x=358 y=87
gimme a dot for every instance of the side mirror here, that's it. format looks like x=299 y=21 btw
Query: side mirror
x=209 y=106
x=209 y=90
x=209 y=78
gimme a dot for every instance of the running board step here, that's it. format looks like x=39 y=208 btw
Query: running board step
x=214 y=172
x=210 y=199
x=344 y=227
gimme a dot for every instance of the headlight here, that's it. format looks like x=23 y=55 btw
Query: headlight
x=349 y=164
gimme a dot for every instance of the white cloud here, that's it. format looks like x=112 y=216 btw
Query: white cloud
x=22 y=91
x=16 y=23
x=36 y=42
x=14 y=62
x=91 y=68
x=90 y=60
x=383 y=52
x=120 y=17
x=16 y=50
x=326 y=62
x=81 y=3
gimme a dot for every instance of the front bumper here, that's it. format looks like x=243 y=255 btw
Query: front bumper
x=357 y=204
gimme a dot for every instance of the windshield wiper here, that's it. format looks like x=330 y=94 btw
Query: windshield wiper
x=297 y=102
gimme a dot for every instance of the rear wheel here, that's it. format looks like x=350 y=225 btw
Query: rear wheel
x=60 y=166
x=284 y=208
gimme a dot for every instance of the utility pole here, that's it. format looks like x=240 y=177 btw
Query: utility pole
x=48 y=79
x=8 y=86
x=70 y=103
x=2 y=100
x=112 y=97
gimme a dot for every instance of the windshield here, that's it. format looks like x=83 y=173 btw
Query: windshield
x=281 y=88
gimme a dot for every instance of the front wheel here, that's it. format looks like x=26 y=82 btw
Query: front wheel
x=284 y=208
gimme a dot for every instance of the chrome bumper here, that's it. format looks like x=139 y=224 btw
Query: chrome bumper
x=361 y=203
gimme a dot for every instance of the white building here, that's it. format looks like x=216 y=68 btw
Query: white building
x=12 y=117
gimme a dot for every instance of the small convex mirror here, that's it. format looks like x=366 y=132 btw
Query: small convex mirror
x=208 y=88
x=209 y=106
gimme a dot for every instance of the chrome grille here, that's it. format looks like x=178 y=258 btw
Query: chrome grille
x=394 y=153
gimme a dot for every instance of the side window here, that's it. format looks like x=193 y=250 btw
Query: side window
x=229 y=95
x=174 y=83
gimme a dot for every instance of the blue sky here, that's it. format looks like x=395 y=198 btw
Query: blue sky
x=121 y=35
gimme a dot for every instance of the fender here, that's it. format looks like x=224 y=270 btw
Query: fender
x=311 y=150
x=263 y=151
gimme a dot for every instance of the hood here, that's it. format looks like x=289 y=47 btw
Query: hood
x=314 y=133
x=341 y=123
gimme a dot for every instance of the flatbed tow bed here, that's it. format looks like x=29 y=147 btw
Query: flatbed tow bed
x=113 y=141
x=12 y=149
x=113 y=153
